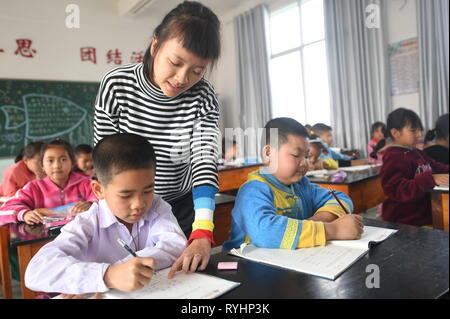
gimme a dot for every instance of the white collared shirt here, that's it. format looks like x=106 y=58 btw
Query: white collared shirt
x=76 y=261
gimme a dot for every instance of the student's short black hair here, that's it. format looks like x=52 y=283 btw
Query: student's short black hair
x=286 y=126
x=83 y=149
x=402 y=117
x=319 y=128
x=58 y=142
x=120 y=152
x=375 y=127
x=314 y=140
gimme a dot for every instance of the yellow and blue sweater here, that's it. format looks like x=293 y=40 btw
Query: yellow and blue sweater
x=270 y=214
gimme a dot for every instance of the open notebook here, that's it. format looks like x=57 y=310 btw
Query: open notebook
x=327 y=261
x=182 y=286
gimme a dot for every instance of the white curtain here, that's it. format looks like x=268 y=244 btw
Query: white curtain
x=253 y=87
x=432 y=20
x=358 y=69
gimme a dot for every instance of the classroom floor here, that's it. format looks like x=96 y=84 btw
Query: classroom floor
x=371 y=213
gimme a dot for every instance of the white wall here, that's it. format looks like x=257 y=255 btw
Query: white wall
x=58 y=47
x=402 y=25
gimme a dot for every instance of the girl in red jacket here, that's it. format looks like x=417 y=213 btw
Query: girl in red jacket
x=407 y=172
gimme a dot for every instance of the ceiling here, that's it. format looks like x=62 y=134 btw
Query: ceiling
x=159 y=8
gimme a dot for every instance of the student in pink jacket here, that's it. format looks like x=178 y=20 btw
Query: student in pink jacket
x=60 y=187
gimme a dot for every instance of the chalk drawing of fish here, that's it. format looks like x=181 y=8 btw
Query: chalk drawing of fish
x=44 y=116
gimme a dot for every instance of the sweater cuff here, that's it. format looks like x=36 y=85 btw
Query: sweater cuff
x=201 y=233
x=313 y=234
x=21 y=213
x=425 y=180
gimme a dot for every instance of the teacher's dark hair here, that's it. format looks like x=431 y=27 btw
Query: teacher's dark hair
x=197 y=28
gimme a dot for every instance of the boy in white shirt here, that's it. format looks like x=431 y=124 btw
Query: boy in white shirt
x=86 y=257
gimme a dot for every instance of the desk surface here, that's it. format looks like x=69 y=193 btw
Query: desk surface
x=413 y=263
x=437 y=191
x=24 y=234
x=351 y=178
x=223 y=168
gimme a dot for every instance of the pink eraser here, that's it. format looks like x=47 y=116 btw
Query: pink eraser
x=227 y=265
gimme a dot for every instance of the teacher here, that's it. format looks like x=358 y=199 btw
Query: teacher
x=167 y=100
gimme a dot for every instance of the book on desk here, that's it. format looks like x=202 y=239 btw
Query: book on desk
x=182 y=286
x=327 y=261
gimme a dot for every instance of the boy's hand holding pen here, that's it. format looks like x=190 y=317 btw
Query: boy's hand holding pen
x=130 y=275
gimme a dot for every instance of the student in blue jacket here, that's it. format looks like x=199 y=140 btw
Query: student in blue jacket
x=279 y=208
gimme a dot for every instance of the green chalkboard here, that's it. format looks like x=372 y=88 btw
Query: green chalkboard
x=44 y=110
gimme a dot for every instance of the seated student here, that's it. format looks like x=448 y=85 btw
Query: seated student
x=26 y=169
x=309 y=129
x=407 y=172
x=439 y=149
x=325 y=133
x=279 y=208
x=60 y=187
x=83 y=160
x=229 y=151
x=377 y=133
x=316 y=148
x=86 y=257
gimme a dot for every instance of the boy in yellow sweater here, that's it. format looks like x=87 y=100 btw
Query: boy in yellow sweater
x=279 y=208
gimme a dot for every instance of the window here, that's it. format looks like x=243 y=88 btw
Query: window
x=298 y=64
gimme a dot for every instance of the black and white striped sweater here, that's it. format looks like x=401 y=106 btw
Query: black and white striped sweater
x=183 y=130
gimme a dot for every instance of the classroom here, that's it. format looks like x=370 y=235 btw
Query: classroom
x=300 y=141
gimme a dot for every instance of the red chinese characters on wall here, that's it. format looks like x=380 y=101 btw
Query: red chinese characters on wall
x=88 y=54
x=24 y=48
x=137 y=57
x=114 y=56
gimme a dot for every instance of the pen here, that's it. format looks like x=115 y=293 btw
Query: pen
x=122 y=243
x=337 y=199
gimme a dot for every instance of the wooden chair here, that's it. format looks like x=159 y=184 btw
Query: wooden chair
x=5 y=271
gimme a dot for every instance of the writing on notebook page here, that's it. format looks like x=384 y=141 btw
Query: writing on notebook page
x=182 y=286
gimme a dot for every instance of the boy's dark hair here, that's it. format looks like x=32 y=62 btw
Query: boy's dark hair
x=120 y=152
x=402 y=117
x=83 y=149
x=58 y=142
x=319 y=128
x=30 y=150
x=286 y=126
x=440 y=131
x=375 y=127
x=314 y=140
x=195 y=25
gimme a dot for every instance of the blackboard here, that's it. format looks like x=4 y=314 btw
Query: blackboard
x=33 y=110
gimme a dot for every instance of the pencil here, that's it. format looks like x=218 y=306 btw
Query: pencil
x=337 y=199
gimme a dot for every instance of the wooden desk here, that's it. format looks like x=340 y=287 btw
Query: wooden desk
x=398 y=259
x=231 y=178
x=363 y=187
x=439 y=208
x=5 y=271
x=29 y=239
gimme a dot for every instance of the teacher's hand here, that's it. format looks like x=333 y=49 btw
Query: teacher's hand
x=195 y=256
